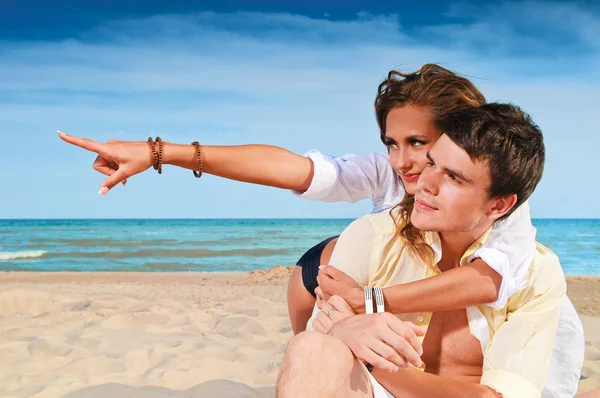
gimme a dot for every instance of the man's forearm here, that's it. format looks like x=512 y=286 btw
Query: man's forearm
x=257 y=164
x=412 y=383
x=455 y=289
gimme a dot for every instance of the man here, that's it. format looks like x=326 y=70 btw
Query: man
x=486 y=164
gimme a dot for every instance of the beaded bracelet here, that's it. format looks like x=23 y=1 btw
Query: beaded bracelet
x=197 y=174
x=157 y=155
x=153 y=150
x=160 y=154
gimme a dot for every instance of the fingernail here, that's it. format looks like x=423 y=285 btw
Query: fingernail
x=322 y=267
x=103 y=191
x=419 y=364
x=394 y=369
x=60 y=132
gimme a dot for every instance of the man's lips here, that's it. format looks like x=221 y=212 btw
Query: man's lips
x=424 y=205
x=411 y=177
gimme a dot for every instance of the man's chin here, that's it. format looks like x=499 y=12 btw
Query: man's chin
x=422 y=222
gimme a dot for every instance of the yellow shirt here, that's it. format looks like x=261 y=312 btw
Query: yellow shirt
x=516 y=341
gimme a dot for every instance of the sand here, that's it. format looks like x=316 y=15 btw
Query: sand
x=170 y=335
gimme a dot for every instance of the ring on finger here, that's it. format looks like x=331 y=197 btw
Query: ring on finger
x=330 y=311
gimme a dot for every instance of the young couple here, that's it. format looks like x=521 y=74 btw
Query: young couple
x=455 y=167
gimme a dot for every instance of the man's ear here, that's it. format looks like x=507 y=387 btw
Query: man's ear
x=501 y=206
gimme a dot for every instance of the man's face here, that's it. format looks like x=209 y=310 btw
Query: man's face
x=451 y=193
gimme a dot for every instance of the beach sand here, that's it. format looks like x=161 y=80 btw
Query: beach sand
x=170 y=335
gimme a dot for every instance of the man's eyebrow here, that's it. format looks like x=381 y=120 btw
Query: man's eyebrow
x=454 y=173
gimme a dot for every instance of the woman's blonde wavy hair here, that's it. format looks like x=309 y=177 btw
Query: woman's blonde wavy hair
x=442 y=92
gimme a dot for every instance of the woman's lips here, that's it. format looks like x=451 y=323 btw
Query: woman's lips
x=411 y=177
x=424 y=205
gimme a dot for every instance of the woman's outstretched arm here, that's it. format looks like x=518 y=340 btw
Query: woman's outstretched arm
x=258 y=164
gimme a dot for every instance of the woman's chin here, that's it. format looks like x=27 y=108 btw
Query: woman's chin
x=410 y=187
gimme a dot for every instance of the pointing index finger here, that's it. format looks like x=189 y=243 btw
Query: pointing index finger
x=90 y=145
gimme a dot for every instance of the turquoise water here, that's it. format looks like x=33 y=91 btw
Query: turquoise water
x=220 y=245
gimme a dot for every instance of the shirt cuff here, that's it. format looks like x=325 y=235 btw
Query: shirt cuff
x=510 y=385
x=324 y=177
x=498 y=261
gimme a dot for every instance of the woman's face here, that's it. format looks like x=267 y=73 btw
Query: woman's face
x=410 y=133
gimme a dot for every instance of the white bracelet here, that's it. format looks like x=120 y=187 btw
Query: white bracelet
x=368 y=299
x=379 y=298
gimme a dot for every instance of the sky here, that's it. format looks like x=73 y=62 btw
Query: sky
x=299 y=75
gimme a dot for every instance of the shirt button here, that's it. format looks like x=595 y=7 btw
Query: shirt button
x=420 y=318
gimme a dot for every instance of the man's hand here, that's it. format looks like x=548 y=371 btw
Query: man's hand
x=334 y=282
x=381 y=339
x=332 y=311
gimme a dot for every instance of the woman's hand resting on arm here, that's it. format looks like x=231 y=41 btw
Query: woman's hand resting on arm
x=334 y=282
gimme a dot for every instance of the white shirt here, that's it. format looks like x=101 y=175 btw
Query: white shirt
x=508 y=250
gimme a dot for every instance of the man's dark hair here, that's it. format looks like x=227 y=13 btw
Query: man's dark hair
x=506 y=138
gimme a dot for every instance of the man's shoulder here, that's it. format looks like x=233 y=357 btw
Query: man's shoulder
x=546 y=261
x=379 y=223
x=545 y=273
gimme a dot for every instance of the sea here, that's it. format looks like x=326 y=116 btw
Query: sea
x=226 y=245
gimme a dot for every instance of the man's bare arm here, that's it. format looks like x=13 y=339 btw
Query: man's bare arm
x=412 y=383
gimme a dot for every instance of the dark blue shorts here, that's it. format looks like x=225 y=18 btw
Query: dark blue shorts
x=310 y=262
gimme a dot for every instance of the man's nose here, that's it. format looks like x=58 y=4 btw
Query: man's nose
x=429 y=182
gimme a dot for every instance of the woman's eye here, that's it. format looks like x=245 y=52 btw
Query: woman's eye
x=416 y=143
x=392 y=145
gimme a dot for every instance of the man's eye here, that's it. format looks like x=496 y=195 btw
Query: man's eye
x=452 y=177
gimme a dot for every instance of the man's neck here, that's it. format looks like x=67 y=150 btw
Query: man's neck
x=455 y=244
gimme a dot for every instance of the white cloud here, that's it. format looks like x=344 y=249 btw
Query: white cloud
x=284 y=79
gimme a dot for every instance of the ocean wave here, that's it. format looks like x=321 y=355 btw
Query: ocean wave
x=110 y=242
x=8 y=256
x=190 y=253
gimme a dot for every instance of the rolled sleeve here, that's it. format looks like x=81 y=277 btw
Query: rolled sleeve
x=324 y=178
x=350 y=178
x=510 y=285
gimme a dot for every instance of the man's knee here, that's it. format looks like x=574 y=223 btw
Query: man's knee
x=307 y=346
x=307 y=342
x=322 y=359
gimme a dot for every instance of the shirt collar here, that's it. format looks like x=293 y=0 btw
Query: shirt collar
x=433 y=239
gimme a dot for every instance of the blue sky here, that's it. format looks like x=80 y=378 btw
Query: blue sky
x=300 y=76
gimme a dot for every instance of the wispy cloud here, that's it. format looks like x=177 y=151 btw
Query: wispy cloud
x=284 y=79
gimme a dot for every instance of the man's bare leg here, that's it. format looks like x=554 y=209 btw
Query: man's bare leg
x=318 y=365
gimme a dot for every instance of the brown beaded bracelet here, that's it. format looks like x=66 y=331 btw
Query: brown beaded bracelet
x=153 y=150
x=198 y=174
x=160 y=154
x=157 y=155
